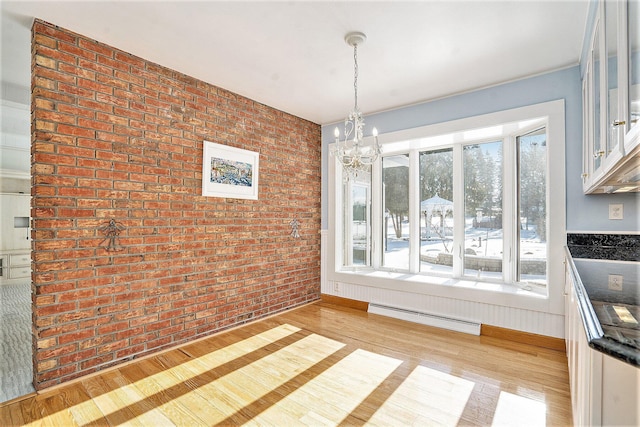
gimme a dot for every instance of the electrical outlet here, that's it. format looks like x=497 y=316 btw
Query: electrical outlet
x=615 y=282
x=616 y=211
x=336 y=287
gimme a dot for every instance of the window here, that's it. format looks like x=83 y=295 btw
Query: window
x=357 y=232
x=532 y=206
x=483 y=227
x=436 y=211
x=465 y=205
x=395 y=190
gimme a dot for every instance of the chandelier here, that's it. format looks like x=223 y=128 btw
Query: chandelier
x=354 y=155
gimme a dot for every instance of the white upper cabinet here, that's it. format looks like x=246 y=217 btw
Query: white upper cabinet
x=611 y=101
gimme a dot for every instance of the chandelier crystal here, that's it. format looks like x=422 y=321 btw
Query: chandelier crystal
x=352 y=152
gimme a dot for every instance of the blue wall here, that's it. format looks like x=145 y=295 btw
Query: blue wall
x=584 y=212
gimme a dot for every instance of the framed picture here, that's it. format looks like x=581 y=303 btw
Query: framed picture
x=229 y=172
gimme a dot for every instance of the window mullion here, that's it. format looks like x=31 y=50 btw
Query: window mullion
x=377 y=217
x=338 y=215
x=510 y=214
x=458 y=211
x=414 y=212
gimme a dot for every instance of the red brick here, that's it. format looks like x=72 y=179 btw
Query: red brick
x=121 y=138
x=94 y=46
x=95 y=125
x=58 y=55
x=75 y=90
x=95 y=86
x=96 y=361
x=75 y=336
x=78 y=356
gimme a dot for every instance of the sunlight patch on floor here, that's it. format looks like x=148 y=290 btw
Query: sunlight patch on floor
x=239 y=389
x=519 y=410
x=339 y=389
x=118 y=399
x=425 y=397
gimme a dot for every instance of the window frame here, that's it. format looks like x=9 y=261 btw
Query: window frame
x=459 y=287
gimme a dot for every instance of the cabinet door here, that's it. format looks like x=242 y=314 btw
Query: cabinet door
x=20 y=260
x=585 y=364
x=633 y=41
x=622 y=40
x=21 y=272
x=572 y=331
x=592 y=154
x=620 y=393
x=596 y=86
x=587 y=120
x=613 y=107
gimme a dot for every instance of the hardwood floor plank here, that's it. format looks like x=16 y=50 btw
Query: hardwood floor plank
x=34 y=412
x=11 y=415
x=137 y=402
x=199 y=386
x=56 y=410
x=84 y=410
x=342 y=386
x=179 y=396
x=231 y=345
x=156 y=395
x=320 y=364
x=115 y=410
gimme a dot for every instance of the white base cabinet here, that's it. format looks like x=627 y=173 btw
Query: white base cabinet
x=15 y=243
x=585 y=373
x=15 y=267
x=620 y=393
x=604 y=391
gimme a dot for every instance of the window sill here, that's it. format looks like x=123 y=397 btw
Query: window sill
x=445 y=287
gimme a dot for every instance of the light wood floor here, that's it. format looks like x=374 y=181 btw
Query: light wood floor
x=320 y=364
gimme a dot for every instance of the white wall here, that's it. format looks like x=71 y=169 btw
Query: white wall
x=15 y=140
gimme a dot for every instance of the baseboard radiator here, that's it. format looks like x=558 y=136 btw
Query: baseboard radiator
x=438 y=321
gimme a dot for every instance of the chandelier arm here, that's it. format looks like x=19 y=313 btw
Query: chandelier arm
x=348 y=129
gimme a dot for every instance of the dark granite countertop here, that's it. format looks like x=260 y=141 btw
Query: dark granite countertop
x=621 y=247
x=611 y=316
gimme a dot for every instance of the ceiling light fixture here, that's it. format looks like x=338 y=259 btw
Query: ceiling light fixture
x=354 y=155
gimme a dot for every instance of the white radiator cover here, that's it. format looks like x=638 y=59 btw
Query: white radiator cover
x=450 y=323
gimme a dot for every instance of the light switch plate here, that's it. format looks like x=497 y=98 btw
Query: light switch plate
x=616 y=211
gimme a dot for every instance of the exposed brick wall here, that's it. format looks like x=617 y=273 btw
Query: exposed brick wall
x=118 y=137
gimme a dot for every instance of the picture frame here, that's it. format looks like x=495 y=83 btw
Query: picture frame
x=229 y=172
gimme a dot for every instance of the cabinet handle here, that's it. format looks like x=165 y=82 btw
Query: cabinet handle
x=584 y=175
x=598 y=154
x=618 y=123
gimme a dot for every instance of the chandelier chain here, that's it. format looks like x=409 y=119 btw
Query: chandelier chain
x=355 y=76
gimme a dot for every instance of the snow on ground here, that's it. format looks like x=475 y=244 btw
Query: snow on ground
x=483 y=241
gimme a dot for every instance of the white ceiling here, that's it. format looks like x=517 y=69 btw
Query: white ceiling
x=291 y=54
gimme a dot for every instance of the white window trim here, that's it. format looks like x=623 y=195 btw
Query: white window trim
x=466 y=289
